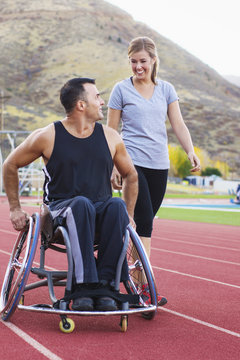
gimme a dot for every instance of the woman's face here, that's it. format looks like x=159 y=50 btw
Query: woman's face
x=142 y=64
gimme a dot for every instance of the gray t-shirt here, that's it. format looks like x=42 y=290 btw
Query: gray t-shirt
x=143 y=122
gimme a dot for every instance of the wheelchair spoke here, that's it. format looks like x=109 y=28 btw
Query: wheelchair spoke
x=141 y=279
x=16 y=265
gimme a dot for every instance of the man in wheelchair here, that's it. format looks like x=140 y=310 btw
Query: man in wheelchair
x=79 y=153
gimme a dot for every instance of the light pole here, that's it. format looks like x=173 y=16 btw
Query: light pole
x=3 y=97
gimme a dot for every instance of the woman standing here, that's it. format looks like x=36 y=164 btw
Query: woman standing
x=143 y=102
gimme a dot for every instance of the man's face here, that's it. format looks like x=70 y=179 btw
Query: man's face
x=94 y=102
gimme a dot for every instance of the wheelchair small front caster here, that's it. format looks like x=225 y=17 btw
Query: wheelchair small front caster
x=66 y=325
x=21 y=301
x=124 y=323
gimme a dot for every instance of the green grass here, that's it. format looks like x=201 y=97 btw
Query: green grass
x=205 y=216
x=191 y=191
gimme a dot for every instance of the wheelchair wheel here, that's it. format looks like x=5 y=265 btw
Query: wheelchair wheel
x=66 y=325
x=124 y=323
x=141 y=279
x=19 y=267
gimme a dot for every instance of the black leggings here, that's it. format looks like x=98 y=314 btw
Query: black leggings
x=152 y=186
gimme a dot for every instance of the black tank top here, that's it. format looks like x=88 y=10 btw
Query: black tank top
x=78 y=166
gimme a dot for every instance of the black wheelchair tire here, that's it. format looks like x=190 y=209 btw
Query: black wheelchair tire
x=18 y=270
x=143 y=263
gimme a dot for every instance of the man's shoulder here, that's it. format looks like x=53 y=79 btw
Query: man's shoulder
x=111 y=134
x=109 y=130
x=113 y=139
x=44 y=131
x=41 y=135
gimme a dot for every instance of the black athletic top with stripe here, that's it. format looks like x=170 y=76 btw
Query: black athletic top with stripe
x=78 y=166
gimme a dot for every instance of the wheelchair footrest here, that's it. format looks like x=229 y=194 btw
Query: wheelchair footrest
x=36 y=308
x=132 y=299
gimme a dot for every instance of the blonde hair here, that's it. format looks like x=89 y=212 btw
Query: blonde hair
x=147 y=44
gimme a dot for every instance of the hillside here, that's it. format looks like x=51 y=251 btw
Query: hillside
x=43 y=44
x=233 y=79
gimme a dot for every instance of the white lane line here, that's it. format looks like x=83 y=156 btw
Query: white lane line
x=204 y=323
x=196 y=243
x=197 y=256
x=5 y=252
x=34 y=262
x=196 y=277
x=32 y=342
x=47 y=267
x=199 y=208
x=9 y=232
x=205 y=236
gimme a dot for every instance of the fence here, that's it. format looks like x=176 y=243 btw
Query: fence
x=31 y=177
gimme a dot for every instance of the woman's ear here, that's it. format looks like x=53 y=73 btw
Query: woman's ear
x=154 y=59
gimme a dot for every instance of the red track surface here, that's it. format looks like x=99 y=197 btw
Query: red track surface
x=196 y=267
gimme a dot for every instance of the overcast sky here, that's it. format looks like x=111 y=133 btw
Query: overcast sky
x=208 y=29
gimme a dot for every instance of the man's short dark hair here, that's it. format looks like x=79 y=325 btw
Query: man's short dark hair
x=73 y=91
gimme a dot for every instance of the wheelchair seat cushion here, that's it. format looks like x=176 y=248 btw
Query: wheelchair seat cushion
x=46 y=222
x=49 y=226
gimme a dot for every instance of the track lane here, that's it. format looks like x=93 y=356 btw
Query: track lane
x=169 y=336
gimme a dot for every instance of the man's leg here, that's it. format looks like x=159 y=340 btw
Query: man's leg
x=80 y=220
x=112 y=220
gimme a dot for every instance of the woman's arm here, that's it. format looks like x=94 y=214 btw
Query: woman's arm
x=183 y=134
x=113 y=121
x=113 y=118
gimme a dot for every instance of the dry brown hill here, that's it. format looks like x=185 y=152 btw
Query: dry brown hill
x=233 y=79
x=44 y=43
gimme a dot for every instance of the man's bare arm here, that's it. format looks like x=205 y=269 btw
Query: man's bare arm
x=125 y=166
x=31 y=149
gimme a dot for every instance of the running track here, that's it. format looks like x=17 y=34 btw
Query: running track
x=196 y=266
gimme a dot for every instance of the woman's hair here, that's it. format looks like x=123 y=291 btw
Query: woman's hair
x=147 y=44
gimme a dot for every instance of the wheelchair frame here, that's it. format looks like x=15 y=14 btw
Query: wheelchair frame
x=20 y=264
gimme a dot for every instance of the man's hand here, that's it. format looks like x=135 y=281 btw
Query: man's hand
x=116 y=179
x=19 y=219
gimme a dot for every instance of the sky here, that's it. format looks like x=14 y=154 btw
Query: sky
x=208 y=29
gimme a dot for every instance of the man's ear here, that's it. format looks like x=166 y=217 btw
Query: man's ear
x=80 y=105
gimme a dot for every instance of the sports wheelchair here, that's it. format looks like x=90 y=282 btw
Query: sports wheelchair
x=55 y=236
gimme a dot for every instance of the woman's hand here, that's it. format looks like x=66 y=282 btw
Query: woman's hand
x=194 y=161
x=132 y=222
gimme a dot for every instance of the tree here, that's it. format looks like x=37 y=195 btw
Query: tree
x=211 y=171
x=180 y=165
x=222 y=167
x=203 y=157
